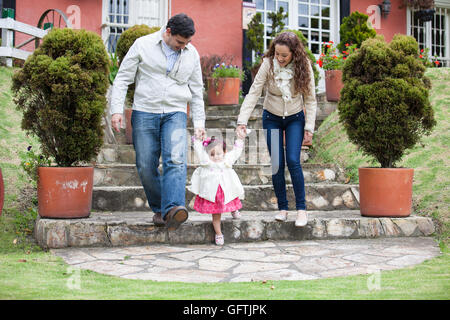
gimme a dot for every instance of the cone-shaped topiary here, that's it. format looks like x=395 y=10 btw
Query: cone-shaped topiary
x=354 y=30
x=61 y=92
x=384 y=104
x=124 y=44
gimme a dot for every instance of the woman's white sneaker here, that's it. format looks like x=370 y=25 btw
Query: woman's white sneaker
x=302 y=218
x=282 y=216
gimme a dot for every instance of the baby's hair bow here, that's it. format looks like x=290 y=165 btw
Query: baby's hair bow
x=206 y=142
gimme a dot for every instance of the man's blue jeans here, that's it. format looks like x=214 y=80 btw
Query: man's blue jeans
x=293 y=126
x=165 y=135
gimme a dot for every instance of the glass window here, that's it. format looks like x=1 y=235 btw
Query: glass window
x=303 y=9
x=303 y=22
x=315 y=11
x=260 y=4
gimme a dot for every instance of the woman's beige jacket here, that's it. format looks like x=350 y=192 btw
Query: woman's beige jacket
x=273 y=101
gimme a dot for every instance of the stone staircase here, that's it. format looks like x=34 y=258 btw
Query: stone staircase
x=121 y=216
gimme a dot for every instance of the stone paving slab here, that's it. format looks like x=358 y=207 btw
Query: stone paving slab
x=136 y=228
x=256 y=261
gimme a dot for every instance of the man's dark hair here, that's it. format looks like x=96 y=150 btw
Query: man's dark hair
x=181 y=24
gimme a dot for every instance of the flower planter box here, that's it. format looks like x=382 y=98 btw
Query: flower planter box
x=223 y=91
x=333 y=84
x=385 y=191
x=65 y=192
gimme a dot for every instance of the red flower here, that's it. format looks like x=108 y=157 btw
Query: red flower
x=334 y=57
x=346 y=52
x=320 y=63
x=437 y=62
x=421 y=50
x=421 y=56
x=347 y=45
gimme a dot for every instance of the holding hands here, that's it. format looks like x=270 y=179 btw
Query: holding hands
x=241 y=131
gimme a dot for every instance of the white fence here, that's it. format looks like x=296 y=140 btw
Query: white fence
x=7 y=50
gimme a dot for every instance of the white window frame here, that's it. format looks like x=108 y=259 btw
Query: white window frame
x=133 y=17
x=439 y=7
x=293 y=21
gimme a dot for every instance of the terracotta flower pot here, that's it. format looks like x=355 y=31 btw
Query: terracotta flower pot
x=128 y=127
x=385 y=191
x=2 y=192
x=333 y=84
x=223 y=91
x=65 y=192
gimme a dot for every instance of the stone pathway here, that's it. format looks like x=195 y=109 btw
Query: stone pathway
x=253 y=261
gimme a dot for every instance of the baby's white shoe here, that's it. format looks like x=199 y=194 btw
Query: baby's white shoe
x=236 y=214
x=282 y=216
x=302 y=218
x=219 y=240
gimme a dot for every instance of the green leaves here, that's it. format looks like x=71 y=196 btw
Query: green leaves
x=61 y=92
x=384 y=104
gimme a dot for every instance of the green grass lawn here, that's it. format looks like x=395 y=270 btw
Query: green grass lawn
x=27 y=272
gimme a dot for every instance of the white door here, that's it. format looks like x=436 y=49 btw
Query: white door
x=119 y=15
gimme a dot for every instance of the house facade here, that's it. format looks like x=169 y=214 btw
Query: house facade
x=221 y=24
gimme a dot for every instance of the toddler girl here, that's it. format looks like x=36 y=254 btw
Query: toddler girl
x=215 y=183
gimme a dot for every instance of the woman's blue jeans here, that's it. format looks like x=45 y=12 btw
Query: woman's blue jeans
x=165 y=135
x=293 y=127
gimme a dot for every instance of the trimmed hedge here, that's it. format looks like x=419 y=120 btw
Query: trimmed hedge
x=384 y=105
x=61 y=91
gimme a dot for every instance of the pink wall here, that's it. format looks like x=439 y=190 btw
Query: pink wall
x=30 y=11
x=394 y=23
x=218 y=26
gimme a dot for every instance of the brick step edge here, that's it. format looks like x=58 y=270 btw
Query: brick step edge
x=127 y=229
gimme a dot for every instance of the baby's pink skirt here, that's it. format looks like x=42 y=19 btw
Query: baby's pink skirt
x=204 y=206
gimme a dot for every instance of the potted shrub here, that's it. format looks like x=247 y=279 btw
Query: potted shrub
x=224 y=85
x=61 y=92
x=385 y=110
x=332 y=62
x=124 y=43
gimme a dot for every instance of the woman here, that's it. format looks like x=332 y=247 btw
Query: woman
x=287 y=75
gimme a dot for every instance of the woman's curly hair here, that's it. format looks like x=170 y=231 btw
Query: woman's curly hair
x=300 y=60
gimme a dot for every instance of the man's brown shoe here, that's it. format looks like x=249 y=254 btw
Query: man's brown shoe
x=158 y=220
x=175 y=217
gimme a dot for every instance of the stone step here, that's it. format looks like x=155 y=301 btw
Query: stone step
x=260 y=197
x=126 y=174
x=226 y=116
x=255 y=151
x=113 y=229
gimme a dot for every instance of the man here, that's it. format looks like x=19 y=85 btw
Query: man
x=166 y=70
